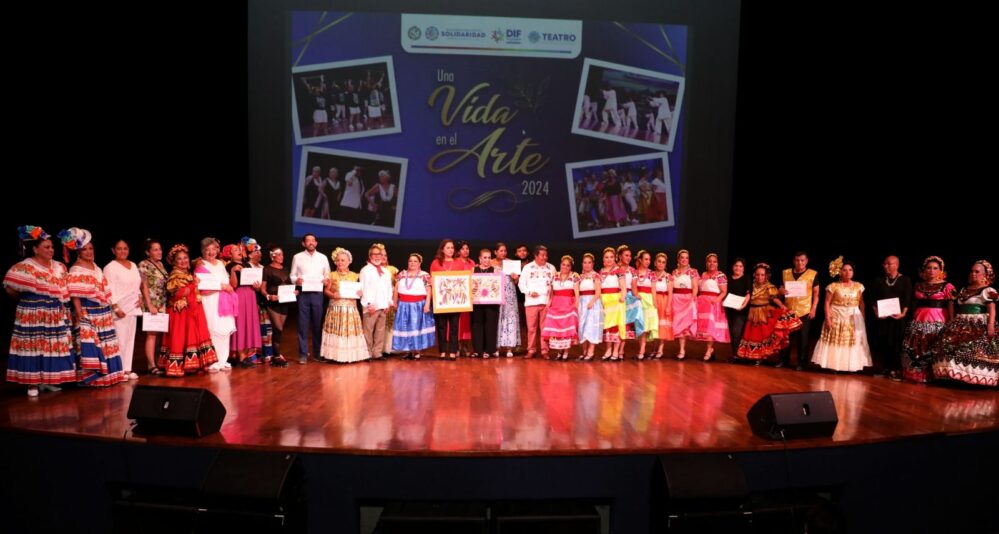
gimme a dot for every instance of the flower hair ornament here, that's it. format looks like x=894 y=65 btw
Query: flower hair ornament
x=938 y=259
x=340 y=250
x=174 y=250
x=836 y=266
x=73 y=239
x=990 y=275
x=31 y=233
x=249 y=244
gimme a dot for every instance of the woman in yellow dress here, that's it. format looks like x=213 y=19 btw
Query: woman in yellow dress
x=343 y=338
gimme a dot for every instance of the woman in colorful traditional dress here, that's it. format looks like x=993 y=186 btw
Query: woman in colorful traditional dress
x=642 y=288
x=343 y=336
x=612 y=296
x=968 y=349
x=154 y=296
x=41 y=342
x=634 y=319
x=769 y=322
x=561 y=323
x=590 y=309
x=187 y=346
x=508 y=335
x=254 y=260
x=712 y=325
x=663 y=286
x=246 y=341
x=219 y=304
x=843 y=345
x=934 y=306
x=94 y=334
x=413 y=329
x=125 y=283
x=684 y=303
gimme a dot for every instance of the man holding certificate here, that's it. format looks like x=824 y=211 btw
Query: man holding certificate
x=801 y=295
x=376 y=298
x=892 y=298
x=310 y=270
x=535 y=283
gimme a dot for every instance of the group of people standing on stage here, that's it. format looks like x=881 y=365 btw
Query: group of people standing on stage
x=347 y=105
x=79 y=325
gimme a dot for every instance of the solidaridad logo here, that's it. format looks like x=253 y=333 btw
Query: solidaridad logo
x=414 y=33
x=534 y=37
x=432 y=33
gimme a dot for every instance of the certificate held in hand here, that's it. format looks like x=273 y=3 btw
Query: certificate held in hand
x=312 y=285
x=155 y=323
x=251 y=275
x=511 y=267
x=349 y=290
x=209 y=282
x=796 y=288
x=286 y=294
x=734 y=301
x=888 y=307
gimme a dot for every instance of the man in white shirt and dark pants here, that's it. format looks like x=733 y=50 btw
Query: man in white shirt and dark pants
x=310 y=266
x=536 y=285
x=376 y=298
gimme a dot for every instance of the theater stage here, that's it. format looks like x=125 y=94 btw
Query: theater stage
x=513 y=407
x=493 y=431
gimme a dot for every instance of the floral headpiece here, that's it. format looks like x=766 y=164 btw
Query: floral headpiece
x=249 y=244
x=31 y=233
x=340 y=250
x=836 y=266
x=174 y=250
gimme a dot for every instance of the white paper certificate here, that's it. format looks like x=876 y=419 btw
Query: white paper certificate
x=155 y=323
x=312 y=285
x=541 y=286
x=797 y=288
x=349 y=290
x=286 y=293
x=889 y=307
x=251 y=275
x=209 y=282
x=511 y=267
x=733 y=301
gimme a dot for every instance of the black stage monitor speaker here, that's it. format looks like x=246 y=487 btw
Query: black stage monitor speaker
x=179 y=411
x=811 y=414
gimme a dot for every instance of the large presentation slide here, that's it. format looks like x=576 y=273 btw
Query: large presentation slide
x=425 y=126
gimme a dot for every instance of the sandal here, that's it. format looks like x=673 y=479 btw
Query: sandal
x=681 y=355
x=156 y=371
x=708 y=354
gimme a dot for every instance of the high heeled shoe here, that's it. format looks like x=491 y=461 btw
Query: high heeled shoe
x=680 y=355
x=709 y=354
x=658 y=355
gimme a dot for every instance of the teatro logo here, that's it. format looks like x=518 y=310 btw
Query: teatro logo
x=534 y=37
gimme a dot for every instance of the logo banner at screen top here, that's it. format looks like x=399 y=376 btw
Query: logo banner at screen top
x=491 y=36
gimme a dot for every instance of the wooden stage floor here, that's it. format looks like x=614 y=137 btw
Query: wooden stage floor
x=513 y=407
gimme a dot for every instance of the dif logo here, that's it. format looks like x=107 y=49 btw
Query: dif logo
x=513 y=36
